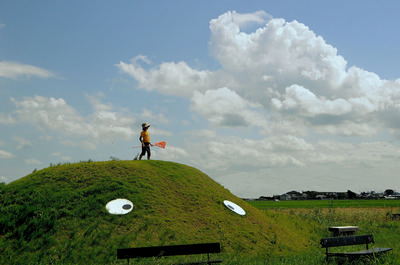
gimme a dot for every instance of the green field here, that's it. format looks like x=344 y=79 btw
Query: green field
x=308 y=204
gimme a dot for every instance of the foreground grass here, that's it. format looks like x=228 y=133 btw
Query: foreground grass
x=57 y=215
x=370 y=216
x=370 y=220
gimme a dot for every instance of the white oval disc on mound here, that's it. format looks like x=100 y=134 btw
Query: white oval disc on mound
x=234 y=207
x=119 y=206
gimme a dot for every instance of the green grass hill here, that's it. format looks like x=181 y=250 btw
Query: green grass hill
x=58 y=215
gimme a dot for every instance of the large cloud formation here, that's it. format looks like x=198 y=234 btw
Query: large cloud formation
x=284 y=67
x=286 y=83
x=284 y=107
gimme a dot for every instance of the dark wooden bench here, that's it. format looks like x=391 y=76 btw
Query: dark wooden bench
x=175 y=250
x=393 y=216
x=330 y=242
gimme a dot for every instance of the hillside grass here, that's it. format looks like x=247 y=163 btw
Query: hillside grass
x=57 y=215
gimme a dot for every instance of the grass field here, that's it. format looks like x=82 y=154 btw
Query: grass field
x=309 y=204
x=57 y=216
x=369 y=215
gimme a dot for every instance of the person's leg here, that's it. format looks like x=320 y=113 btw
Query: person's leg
x=148 y=152
x=143 y=152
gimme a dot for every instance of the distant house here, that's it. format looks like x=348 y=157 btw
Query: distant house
x=295 y=195
x=285 y=197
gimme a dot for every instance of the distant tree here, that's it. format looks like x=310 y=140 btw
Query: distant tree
x=276 y=197
x=293 y=192
x=341 y=195
x=311 y=195
x=265 y=198
x=113 y=158
x=351 y=195
x=389 y=192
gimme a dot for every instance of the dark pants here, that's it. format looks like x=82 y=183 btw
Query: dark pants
x=146 y=149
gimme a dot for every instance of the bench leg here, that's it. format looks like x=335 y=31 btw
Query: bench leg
x=327 y=256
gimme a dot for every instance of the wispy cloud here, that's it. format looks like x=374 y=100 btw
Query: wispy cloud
x=51 y=114
x=6 y=119
x=33 y=161
x=6 y=155
x=16 y=70
x=23 y=143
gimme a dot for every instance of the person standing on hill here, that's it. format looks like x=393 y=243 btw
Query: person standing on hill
x=145 y=140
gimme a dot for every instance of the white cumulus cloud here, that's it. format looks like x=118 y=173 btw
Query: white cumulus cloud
x=169 y=78
x=284 y=67
x=282 y=98
x=225 y=107
x=305 y=102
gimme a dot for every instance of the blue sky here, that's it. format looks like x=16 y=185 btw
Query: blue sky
x=263 y=96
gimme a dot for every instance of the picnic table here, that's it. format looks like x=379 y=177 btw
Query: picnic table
x=343 y=230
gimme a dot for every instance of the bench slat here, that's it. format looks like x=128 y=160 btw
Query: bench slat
x=175 y=250
x=371 y=251
x=346 y=241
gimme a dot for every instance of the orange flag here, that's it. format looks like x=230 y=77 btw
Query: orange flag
x=161 y=144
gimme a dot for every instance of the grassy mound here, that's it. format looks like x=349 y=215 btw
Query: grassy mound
x=58 y=214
